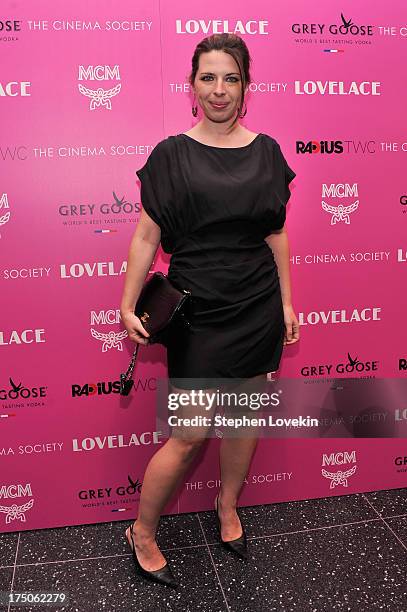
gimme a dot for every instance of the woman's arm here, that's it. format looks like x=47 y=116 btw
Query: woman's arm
x=278 y=243
x=143 y=247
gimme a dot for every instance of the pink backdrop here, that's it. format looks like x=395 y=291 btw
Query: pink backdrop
x=72 y=451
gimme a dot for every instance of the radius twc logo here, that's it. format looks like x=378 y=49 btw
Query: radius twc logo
x=340 y=212
x=104 y=387
x=338 y=477
x=8 y=507
x=99 y=97
x=335 y=147
x=96 y=388
x=108 y=339
x=4 y=211
x=322 y=147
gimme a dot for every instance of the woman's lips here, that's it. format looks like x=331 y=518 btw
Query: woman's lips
x=219 y=106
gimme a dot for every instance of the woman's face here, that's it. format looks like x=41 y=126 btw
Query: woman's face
x=218 y=86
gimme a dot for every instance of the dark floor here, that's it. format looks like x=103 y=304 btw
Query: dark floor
x=336 y=553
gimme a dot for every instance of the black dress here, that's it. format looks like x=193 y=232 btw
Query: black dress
x=215 y=206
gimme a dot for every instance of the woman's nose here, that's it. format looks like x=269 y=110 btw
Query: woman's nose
x=220 y=87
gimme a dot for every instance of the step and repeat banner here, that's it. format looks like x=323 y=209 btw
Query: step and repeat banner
x=86 y=92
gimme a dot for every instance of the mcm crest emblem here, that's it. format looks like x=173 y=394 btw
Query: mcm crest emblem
x=100 y=97
x=341 y=212
x=15 y=512
x=110 y=340
x=340 y=477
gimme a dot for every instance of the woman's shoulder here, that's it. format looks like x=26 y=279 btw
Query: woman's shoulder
x=162 y=146
x=274 y=145
x=160 y=152
x=270 y=140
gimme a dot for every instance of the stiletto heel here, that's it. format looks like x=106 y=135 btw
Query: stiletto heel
x=237 y=546
x=163 y=575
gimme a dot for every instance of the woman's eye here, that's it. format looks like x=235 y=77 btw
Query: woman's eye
x=208 y=77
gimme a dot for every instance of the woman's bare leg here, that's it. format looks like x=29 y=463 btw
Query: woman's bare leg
x=163 y=474
x=235 y=456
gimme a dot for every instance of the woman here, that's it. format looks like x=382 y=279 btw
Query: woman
x=215 y=197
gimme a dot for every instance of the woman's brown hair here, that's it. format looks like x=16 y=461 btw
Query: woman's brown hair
x=236 y=47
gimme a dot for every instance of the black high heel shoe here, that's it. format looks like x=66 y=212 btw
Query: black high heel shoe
x=237 y=546
x=163 y=575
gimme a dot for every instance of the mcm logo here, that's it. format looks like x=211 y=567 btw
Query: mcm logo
x=339 y=477
x=99 y=97
x=4 y=204
x=340 y=212
x=110 y=340
x=15 y=512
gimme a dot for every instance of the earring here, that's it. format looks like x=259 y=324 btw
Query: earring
x=245 y=111
x=194 y=109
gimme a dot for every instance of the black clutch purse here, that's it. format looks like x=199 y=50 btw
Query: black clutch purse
x=161 y=307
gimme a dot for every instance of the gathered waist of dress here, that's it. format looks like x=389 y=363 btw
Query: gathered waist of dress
x=214 y=261
x=220 y=244
x=193 y=254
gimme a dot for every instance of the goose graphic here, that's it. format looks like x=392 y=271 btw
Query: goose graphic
x=346 y=24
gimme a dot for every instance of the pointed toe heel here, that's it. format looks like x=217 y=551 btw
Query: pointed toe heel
x=163 y=575
x=237 y=546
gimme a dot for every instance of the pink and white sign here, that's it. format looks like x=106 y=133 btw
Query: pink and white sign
x=86 y=93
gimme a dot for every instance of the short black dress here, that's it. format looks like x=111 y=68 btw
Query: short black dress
x=215 y=206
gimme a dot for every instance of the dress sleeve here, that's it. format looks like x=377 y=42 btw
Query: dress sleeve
x=151 y=174
x=282 y=177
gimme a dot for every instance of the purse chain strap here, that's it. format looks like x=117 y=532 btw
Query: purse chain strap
x=130 y=369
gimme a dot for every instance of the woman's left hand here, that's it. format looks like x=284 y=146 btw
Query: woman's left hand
x=292 y=327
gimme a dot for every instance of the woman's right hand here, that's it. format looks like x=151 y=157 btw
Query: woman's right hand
x=134 y=328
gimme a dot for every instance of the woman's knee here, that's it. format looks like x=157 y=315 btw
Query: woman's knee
x=187 y=446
